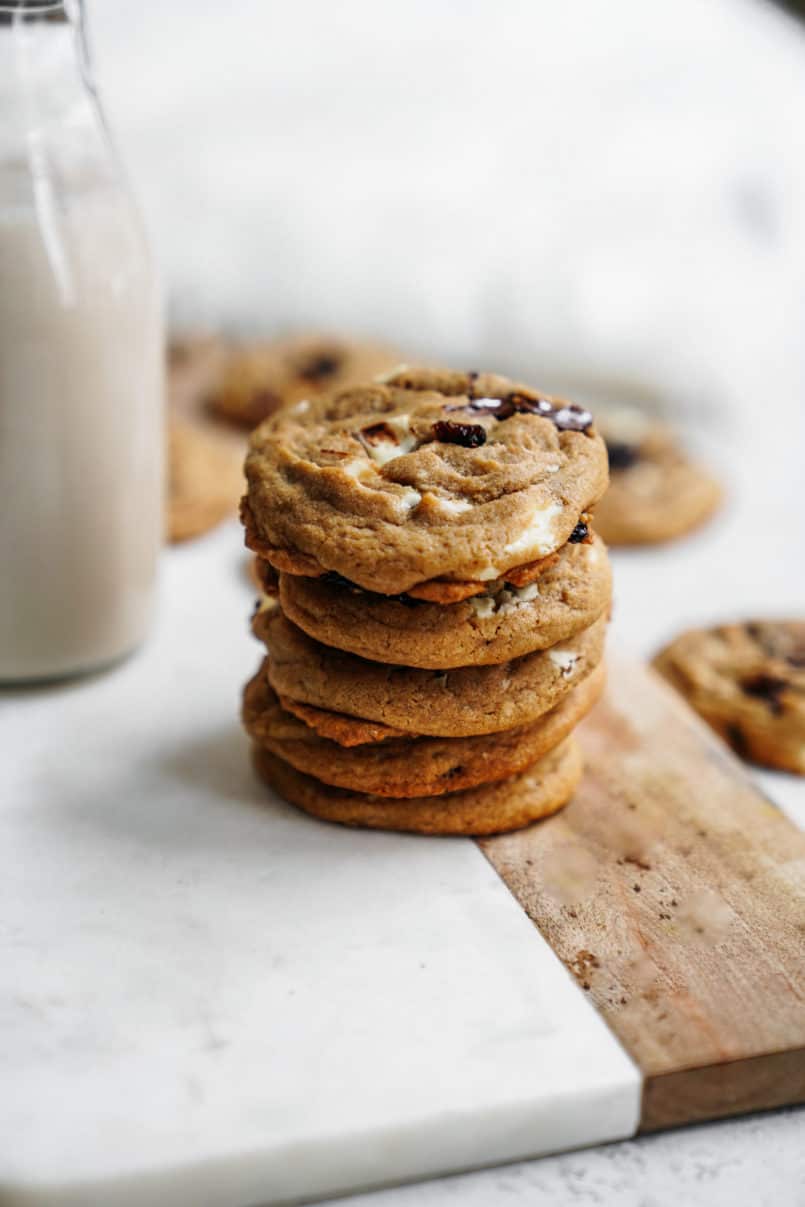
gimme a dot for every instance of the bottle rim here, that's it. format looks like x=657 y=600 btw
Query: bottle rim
x=28 y=10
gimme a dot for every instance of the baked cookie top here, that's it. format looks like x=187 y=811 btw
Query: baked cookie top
x=656 y=491
x=748 y=681
x=432 y=474
x=260 y=376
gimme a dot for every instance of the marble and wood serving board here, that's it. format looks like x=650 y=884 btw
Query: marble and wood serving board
x=208 y=999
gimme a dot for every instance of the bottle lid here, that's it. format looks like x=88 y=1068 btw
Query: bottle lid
x=14 y=11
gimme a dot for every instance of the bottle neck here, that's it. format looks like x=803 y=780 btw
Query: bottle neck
x=51 y=125
x=43 y=45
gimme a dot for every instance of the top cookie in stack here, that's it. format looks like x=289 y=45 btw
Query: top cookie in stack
x=438 y=520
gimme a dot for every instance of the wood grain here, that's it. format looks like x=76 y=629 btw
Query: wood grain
x=674 y=891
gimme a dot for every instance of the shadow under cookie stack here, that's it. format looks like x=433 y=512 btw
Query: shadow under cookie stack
x=434 y=601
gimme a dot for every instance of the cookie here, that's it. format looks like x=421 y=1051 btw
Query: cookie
x=656 y=491
x=259 y=377
x=748 y=682
x=441 y=703
x=204 y=484
x=432 y=476
x=497 y=626
x=195 y=365
x=535 y=793
x=412 y=766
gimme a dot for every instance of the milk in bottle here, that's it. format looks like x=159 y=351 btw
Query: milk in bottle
x=80 y=366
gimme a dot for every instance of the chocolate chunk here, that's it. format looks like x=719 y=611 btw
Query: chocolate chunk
x=579 y=533
x=767 y=688
x=318 y=367
x=338 y=580
x=569 y=418
x=621 y=455
x=378 y=433
x=737 y=739
x=468 y=435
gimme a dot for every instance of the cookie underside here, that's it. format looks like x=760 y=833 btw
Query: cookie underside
x=532 y=795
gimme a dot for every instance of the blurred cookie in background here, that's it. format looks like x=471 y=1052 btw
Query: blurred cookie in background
x=747 y=681
x=196 y=363
x=204 y=481
x=656 y=492
x=260 y=376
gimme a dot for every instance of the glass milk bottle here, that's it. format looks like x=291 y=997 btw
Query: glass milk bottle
x=81 y=369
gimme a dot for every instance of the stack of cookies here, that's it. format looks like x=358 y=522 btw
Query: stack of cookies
x=434 y=601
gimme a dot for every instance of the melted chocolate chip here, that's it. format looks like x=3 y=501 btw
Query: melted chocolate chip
x=338 y=580
x=621 y=455
x=569 y=418
x=472 y=377
x=318 y=367
x=468 y=435
x=579 y=533
x=767 y=688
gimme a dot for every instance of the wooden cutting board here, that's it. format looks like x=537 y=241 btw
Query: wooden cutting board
x=674 y=892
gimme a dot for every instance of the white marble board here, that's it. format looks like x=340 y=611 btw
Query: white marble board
x=209 y=999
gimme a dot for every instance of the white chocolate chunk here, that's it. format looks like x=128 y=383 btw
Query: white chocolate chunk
x=454 y=506
x=564 y=660
x=384 y=450
x=354 y=468
x=503 y=602
x=410 y=498
x=539 y=537
x=482 y=605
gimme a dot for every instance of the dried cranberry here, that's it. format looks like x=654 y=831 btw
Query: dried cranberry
x=579 y=533
x=621 y=455
x=766 y=687
x=468 y=435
